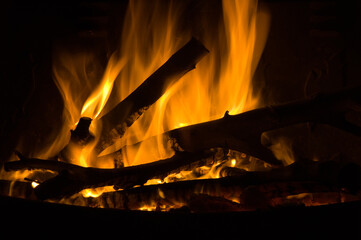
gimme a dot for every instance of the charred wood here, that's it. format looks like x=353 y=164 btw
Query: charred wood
x=179 y=194
x=81 y=134
x=243 y=132
x=130 y=109
x=252 y=189
x=79 y=138
x=73 y=178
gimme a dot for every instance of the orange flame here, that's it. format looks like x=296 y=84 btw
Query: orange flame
x=152 y=32
x=99 y=97
x=221 y=81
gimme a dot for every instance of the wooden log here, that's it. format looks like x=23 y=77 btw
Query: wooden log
x=81 y=134
x=130 y=109
x=79 y=138
x=251 y=189
x=178 y=194
x=239 y=132
x=243 y=132
x=73 y=178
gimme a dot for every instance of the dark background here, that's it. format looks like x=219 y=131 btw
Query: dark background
x=312 y=47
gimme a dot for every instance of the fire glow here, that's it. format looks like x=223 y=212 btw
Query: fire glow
x=194 y=93
x=219 y=87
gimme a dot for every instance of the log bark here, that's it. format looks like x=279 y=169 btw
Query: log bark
x=73 y=178
x=243 y=132
x=130 y=109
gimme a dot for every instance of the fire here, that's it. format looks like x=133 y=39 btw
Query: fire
x=99 y=97
x=34 y=184
x=220 y=85
x=152 y=32
x=221 y=81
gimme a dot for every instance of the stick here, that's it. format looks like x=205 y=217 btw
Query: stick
x=252 y=189
x=130 y=109
x=243 y=132
x=72 y=178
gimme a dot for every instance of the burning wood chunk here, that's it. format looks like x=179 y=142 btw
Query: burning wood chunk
x=133 y=106
x=81 y=134
x=243 y=132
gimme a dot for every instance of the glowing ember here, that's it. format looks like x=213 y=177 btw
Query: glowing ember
x=34 y=184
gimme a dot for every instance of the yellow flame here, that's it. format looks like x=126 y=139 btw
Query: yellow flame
x=34 y=184
x=99 y=97
x=96 y=192
x=220 y=82
x=152 y=32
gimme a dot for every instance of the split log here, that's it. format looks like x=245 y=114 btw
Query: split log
x=73 y=178
x=130 y=109
x=243 y=132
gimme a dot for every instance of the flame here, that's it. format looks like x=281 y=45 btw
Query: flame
x=221 y=81
x=99 y=97
x=152 y=32
x=34 y=184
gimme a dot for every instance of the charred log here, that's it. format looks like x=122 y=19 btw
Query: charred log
x=130 y=109
x=79 y=138
x=73 y=178
x=243 y=132
x=251 y=189
x=81 y=134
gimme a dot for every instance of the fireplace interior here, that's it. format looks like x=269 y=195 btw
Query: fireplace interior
x=229 y=118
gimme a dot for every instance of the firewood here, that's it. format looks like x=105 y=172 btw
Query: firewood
x=178 y=194
x=130 y=109
x=73 y=178
x=81 y=134
x=251 y=189
x=239 y=132
x=79 y=138
x=243 y=132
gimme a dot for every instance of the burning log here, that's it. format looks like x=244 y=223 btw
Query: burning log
x=79 y=138
x=240 y=132
x=252 y=189
x=130 y=109
x=81 y=134
x=243 y=132
x=73 y=178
